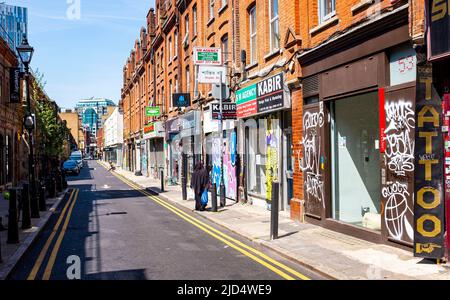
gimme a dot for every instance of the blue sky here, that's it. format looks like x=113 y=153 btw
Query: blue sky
x=84 y=57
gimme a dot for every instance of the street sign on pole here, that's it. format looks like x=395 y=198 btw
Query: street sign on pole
x=152 y=111
x=211 y=74
x=207 y=56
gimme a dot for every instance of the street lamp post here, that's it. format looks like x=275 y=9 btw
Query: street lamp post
x=26 y=53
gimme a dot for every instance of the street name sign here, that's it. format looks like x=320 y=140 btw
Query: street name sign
x=14 y=88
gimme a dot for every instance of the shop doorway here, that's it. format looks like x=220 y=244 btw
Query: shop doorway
x=356 y=160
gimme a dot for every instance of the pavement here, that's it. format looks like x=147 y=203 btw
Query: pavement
x=12 y=253
x=331 y=254
x=110 y=229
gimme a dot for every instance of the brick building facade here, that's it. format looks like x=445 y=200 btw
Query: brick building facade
x=300 y=72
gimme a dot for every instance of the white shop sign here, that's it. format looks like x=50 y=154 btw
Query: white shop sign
x=211 y=74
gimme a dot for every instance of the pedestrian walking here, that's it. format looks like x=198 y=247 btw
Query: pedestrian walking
x=199 y=183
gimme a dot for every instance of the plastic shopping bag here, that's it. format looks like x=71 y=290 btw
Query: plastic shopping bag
x=204 y=200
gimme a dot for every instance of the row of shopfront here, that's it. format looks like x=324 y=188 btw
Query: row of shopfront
x=368 y=147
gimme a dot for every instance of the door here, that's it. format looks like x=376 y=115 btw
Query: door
x=356 y=161
x=312 y=163
x=398 y=184
x=288 y=179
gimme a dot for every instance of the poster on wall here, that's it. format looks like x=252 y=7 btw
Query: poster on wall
x=429 y=165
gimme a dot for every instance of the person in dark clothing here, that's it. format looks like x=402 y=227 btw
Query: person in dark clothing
x=199 y=182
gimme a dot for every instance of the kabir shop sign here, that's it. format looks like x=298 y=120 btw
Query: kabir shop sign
x=438 y=25
x=429 y=207
x=262 y=97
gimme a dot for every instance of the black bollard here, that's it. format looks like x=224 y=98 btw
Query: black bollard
x=58 y=182
x=13 y=218
x=42 y=202
x=274 y=207
x=223 y=200
x=162 y=181
x=184 y=176
x=26 y=216
x=51 y=187
x=34 y=201
x=65 y=185
x=214 y=198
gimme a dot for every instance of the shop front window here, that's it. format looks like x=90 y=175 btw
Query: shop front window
x=262 y=140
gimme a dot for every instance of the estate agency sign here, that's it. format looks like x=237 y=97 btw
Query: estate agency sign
x=438 y=23
x=429 y=206
x=207 y=56
x=262 y=97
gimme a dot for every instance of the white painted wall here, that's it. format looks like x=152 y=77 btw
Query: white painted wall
x=113 y=129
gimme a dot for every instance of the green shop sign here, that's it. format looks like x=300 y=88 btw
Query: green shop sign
x=152 y=111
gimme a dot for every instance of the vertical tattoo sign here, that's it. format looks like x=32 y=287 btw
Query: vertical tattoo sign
x=429 y=206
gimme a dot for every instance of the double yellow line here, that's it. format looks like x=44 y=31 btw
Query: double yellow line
x=261 y=258
x=51 y=262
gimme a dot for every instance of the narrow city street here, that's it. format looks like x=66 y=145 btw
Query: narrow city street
x=119 y=232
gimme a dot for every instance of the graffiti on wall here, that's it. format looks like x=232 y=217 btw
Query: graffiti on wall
x=229 y=167
x=397 y=211
x=311 y=165
x=216 y=172
x=229 y=164
x=400 y=145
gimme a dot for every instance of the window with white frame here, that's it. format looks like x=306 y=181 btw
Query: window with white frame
x=211 y=9
x=224 y=3
x=327 y=9
x=188 y=80
x=170 y=49
x=274 y=26
x=186 y=31
x=176 y=42
x=253 y=50
x=225 y=48
x=195 y=21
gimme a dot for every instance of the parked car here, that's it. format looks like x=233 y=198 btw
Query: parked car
x=78 y=157
x=71 y=167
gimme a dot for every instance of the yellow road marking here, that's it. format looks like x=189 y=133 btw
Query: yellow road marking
x=211 y=229
x=44 y=250
x=51 y=261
